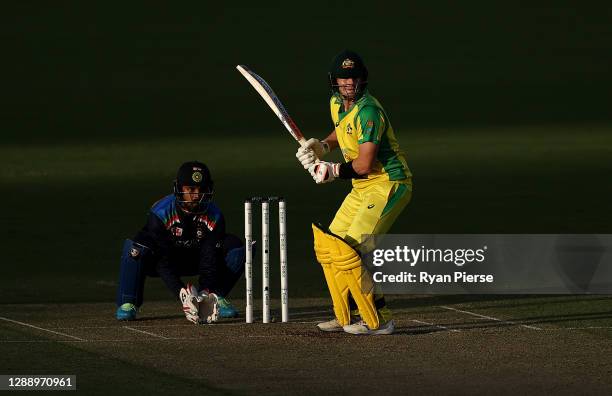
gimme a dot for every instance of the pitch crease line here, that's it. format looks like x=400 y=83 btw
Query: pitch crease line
x=490 y=318
x=145 y=332
x=581 y=328
x=435 y=325
x=40 y=328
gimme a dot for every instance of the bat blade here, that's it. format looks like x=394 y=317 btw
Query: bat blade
x=268 y=95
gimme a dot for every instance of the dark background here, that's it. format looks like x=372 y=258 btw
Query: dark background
x=80 y=71
x=503 y=111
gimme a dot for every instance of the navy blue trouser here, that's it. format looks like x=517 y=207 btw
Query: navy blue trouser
x=137 y=263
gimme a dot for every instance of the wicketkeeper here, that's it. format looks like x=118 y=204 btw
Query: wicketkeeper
x=184 y=236
x=381 y=189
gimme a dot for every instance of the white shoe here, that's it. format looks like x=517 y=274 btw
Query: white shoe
x=361 y=328
x=330 y=326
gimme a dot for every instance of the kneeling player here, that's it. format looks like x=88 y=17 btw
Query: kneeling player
x=184 y=236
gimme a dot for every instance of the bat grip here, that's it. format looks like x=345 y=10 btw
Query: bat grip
x=302 y=143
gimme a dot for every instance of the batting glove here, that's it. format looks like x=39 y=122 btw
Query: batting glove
x=319 y=148
x=312 y=151
x=190 y=300
x=306 y=156
x=324 y=172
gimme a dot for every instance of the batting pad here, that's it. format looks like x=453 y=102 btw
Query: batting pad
x=344 y=272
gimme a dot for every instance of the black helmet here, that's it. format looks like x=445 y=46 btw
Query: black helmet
x=194 y=174
x=348 y=64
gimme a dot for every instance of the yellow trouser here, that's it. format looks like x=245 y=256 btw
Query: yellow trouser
x=370 y=210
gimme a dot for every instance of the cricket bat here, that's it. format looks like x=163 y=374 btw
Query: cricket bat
x=262 y=87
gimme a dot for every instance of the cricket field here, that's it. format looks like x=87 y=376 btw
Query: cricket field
x=503 y=112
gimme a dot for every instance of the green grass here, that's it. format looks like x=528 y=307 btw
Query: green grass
x=69 y=206
x=170 y=71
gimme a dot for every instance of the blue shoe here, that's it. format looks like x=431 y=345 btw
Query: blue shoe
x=226 y=309
x=127 y=312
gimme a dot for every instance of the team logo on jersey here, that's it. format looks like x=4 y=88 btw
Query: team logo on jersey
x=370 y=206
x=177 y=231
x=196 y=177
x=348 y=64
x=349 y=130
x=199 y=233
x=369 y=126
x=134 y=252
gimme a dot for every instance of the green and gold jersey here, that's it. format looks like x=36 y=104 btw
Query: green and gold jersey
x=366 y=121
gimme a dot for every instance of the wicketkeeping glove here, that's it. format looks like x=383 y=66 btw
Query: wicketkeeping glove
x=324 y=172
x=208 y=307
x=190 y=300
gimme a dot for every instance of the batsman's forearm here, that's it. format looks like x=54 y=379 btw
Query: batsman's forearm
x=362 y=167
x=331 y=140
x=364 y=163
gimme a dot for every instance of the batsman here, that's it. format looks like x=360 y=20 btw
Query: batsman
x=381 y=189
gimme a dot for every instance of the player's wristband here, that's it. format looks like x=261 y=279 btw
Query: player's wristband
x=348 y=172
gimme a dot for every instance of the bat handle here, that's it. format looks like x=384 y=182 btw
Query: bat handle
x=302 y=142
